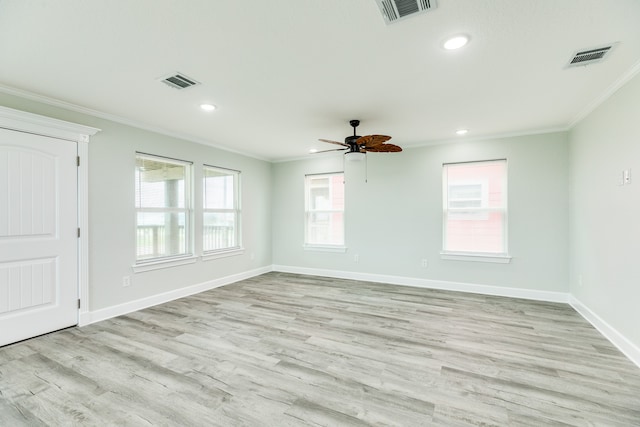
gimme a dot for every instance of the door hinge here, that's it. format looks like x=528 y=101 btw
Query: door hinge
x=78 y=231
x=78 y=302
x=78 y=160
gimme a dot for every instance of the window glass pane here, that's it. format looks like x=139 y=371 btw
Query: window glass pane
x=325 y=228
x=320 y=198
x=162 y=207
x=160 y=234
x=476 y=234
x=324 y=209
x=159 y=184
x=319 y=193
x=218 y=189
x=221 y=214
x=465 y=191
x=219 y=231
x=326 y=193
x=475 y=207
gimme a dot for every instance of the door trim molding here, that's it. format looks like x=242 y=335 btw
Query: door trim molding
x=45 y=126
x=23 y=121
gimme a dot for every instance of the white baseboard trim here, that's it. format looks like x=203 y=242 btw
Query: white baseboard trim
x=431 y=284
x=616 y=338
x=107 y=313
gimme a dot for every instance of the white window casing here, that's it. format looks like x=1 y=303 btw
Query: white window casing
x=324 y=212
x=164 y=212
x=475 y=214
x=221 y=214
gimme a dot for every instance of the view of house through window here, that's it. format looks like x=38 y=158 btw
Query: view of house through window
x=475 y=207
x=221 y=214
x=163 y=211
x=324 y=209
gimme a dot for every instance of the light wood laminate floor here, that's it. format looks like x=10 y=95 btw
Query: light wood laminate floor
x=291 y=350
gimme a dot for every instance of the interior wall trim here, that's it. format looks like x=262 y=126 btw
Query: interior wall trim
x=89 y=317
x=628 y=348
x=532 y=294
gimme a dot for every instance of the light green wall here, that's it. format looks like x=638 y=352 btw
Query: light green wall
x=111 y=209
x=605 y=217
x=394 y=220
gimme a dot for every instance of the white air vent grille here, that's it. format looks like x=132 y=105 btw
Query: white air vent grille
x=179 y=81
x=590 y=56
x=395 y=10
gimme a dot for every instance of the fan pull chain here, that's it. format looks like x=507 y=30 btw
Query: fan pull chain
x=366 y=169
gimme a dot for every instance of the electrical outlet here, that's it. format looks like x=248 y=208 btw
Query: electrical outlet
x=424 y=263
x=126 y=281
x=356 y=258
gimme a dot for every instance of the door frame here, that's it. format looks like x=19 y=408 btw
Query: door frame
x=23 y=121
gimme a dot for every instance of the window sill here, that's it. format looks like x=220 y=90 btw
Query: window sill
x=157 y=265
x=325 y=248
x=223 y=253
x=462 y=256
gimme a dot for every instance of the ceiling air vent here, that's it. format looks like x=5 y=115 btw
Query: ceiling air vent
x=395 y=10
x=590 y=56
x=179 y=81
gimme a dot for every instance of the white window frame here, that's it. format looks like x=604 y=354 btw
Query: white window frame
x=308 y=212
x=237 y=249
x=187 y=257
x=475 y=213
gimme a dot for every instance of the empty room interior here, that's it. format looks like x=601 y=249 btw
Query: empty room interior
x=320 y=213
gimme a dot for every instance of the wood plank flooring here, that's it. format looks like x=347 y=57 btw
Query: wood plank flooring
x=291 y=350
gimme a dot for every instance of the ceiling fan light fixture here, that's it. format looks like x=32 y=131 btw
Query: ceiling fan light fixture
x=456 y=42
x=354 y=156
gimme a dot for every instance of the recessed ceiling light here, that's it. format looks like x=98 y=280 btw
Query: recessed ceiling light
x=456 y=42
x=461 y=131
x=313 y=150
x=208 y=107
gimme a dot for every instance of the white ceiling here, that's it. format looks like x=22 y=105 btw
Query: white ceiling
x=284 y=73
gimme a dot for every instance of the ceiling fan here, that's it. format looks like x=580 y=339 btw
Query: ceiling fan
x=355 y=146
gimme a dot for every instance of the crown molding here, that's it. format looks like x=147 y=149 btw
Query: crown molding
x=119 y=119
x=589 y=108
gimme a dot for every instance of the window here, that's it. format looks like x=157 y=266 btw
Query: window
x=221 y=214
x=475 y=208
x=163 y=208
x=324 y=210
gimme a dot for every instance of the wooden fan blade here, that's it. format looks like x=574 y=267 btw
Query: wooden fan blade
x=372 y=140
x=384 y=148
x=326 y=151
x=333 y=142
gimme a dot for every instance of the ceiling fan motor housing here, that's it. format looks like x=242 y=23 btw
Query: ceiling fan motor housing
x=351 y=141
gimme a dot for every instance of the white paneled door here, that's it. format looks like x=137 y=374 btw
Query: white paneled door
x=38 y=235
